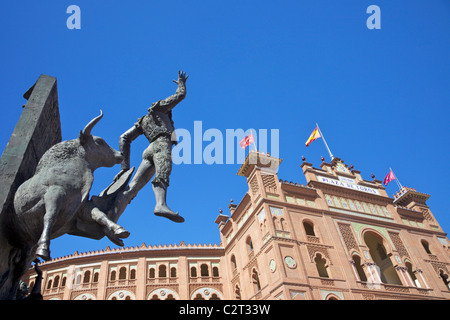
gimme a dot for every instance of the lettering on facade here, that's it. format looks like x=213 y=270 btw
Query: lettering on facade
x=347 y=185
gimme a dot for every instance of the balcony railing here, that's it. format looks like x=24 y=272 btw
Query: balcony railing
x=433 y=257
x=54 y=290
x=205 y=279
x=161 y=280
x=121 y=282
x=393 y=288
x=191 y=279
x=313 y=239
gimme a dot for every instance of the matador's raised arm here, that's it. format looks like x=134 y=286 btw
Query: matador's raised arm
x=164 y=106
x=169 y=103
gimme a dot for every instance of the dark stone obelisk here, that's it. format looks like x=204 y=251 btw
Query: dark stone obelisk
x=38 y=129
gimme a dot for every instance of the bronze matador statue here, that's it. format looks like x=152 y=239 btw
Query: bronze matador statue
x=158 y=127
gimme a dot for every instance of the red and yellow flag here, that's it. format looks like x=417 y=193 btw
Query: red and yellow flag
x=314 y=136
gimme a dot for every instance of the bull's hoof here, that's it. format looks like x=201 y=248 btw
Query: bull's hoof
x=169 y=214
x=121 y=233
x=115 y=240
x=43 y=253
x=115 y=235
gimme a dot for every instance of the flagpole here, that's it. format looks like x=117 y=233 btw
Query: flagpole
x=254 y=144
x=326 y=145
x=396 y=180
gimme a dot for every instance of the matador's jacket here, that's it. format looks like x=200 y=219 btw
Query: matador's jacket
x=158 y=127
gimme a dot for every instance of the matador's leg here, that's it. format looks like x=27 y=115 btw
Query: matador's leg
x=143 y=175
x=161 y=208
x=162 y=158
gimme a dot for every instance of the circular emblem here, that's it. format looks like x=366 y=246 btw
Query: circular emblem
x=272 y=265
x=341 y=168
x=206 y=292
x=121 y=295
x=290 y=262
x=162 y=293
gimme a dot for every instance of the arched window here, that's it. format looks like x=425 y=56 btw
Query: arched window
x=162 y=271
x=132 y=274
x=151 y=273
x=381 y=250
x=96 y=275
x=321 y=266
x=113 y=275
x=426 y=246
x=249 y=245
x=214 y=297
x=122 y=273
x=63 y=282
x=237 y=293
x=56 y=282
x=445 y=278
x=359 y=268
x=87 y=277
x=173 y=272
x=379 y=255
x=263 y=227
x=215 y=272
x=412 y=275
x=255 y=281
x=233 y=262
x=204 y=272
x=276 y=223
x=199 y=297
x=309 y=228
x=283 y=224
x=49 y=284
x=193 y=272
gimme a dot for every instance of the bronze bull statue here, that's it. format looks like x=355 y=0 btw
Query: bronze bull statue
x=55 y=201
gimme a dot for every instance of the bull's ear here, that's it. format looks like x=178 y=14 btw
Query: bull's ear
x=82 y=137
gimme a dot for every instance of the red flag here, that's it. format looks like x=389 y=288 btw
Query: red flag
x=390 y=176
x=248 y=140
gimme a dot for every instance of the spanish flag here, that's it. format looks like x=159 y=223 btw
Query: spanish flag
x=314 y=136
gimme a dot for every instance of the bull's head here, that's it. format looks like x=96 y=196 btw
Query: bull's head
x=98 y=152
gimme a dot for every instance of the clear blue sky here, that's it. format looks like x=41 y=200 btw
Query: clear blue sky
x=381 y=97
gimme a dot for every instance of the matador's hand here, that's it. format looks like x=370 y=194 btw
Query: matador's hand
x=182 y=77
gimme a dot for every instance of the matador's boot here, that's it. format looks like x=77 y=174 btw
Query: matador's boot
x=161 y=208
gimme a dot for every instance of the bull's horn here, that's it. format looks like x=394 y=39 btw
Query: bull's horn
x=90 y=125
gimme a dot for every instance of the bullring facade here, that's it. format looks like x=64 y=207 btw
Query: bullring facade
x=336 y=237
